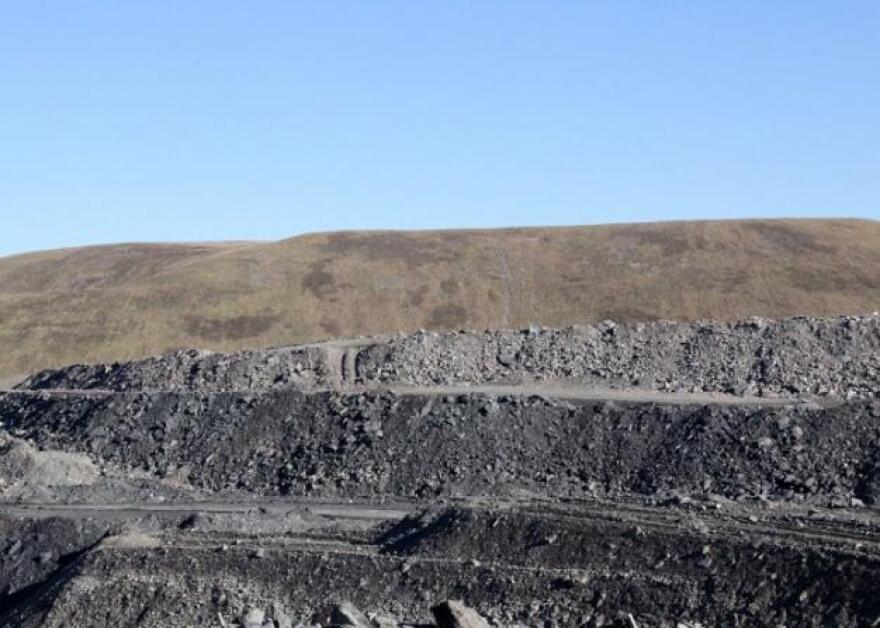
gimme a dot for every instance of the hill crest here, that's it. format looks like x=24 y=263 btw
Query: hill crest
x=127 y=301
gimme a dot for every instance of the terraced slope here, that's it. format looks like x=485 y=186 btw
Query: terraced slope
x=127 y=301
x=532 y=564
x=652 y=475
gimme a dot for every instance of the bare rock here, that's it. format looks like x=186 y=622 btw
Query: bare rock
x=282 y=619
x=347 y=614
x=254 y=618
x=454 y=614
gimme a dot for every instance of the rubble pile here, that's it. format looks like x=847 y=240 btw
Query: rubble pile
x=332 y=444
x=659 y=475
x=834 y=356
x=797 y=356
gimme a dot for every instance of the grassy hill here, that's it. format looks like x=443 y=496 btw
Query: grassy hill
x=115 y=302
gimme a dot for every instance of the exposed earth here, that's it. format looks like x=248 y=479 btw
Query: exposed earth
x=633 y=475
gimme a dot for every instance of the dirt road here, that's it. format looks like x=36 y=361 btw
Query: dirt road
x=267 y=508
x=563 y=390
x=859 y=528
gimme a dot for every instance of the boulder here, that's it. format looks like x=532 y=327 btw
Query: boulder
x=347 y=614
x=454 y=614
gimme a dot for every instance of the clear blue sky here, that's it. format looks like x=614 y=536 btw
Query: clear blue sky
x=205 y=120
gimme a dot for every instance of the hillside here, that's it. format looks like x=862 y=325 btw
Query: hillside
x=124 y=301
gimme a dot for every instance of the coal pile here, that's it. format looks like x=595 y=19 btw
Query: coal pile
x=332 y=444
x=598 y=567
x=665 y=474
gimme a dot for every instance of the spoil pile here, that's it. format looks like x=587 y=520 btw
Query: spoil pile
x=333 y=444
x=833 y=356
x=185 y=487
x=809 y=356
x=516 y=566
x=190 y=370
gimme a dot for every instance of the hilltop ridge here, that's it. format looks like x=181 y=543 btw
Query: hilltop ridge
x=128 y=301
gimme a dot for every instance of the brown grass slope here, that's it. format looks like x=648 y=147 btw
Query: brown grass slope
x=117 y=302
